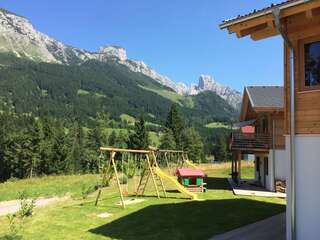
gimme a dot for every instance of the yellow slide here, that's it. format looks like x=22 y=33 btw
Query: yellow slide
x=191 y=164
x=173 y=180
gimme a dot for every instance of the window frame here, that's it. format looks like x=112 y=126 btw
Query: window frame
x=302 y=81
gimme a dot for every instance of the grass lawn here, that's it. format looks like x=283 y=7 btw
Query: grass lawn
x=172 y=218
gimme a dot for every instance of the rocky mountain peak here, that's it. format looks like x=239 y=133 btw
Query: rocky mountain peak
x=114 y=52
x=205 y=82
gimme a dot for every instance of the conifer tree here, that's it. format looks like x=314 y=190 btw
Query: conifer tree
x=175 y=124
x=221 y=152
x=122 y=139
x=112 y=139
x=167 y=140
x=139 y=139
x=192 y=144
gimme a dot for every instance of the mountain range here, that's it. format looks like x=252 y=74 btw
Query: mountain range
x=25 y=49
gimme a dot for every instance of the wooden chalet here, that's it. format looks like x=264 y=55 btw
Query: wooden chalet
x=297 y=22
x=262 y=109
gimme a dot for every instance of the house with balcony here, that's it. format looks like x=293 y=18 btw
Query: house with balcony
x=297 y=22
x=260 y=132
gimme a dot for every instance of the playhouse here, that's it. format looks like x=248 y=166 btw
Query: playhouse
x=192 y=179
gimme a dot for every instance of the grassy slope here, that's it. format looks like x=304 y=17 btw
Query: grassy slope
x=154 y=138
x=177 y=218
x=47 y=186
x=174 y=97
x=216 y=125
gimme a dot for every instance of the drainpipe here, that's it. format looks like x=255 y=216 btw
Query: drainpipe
x=276 y=14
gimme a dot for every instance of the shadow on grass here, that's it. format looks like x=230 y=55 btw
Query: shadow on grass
x=217 y=183
x=188 y=220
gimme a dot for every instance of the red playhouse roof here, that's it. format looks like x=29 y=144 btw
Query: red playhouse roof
x=189 y=172
x=248 y=129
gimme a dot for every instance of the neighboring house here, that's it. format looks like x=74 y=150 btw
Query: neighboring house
x=260 y=132
x=298 y=23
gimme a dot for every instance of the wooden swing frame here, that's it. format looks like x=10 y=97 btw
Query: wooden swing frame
x=150 y=163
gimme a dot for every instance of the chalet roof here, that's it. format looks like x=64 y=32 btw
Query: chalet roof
x=266 y=96
x=260 y=12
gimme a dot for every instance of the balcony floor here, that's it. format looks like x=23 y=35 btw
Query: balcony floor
x=247 y=189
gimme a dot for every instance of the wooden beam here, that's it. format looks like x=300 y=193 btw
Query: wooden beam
x=309 y=14
x=110 y=149
x=250 y=23
x=253 y=22
x=268 y=32
x=248 y=31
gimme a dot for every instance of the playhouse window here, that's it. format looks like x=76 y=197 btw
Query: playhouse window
x=312 y=64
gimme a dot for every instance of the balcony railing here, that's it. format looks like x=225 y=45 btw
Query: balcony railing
x=250 y=141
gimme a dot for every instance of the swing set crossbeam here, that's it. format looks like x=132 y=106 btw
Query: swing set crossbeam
x=170 y=151
x=109 y=149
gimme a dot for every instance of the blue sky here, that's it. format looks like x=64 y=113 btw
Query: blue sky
x=178 y=38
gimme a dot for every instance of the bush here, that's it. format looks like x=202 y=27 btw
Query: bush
x=14 y=228
x=129 y=168
x=123 y=179
x=26 y=206
x=86 y=190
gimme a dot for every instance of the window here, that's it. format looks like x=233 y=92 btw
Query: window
x=311 y=63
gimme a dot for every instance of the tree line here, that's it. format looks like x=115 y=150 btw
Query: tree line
x=32 y=146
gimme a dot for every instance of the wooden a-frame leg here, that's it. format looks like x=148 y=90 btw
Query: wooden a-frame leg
x=117 y=178
x=104 y=177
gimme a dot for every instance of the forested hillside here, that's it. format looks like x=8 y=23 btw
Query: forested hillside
x=80 y=91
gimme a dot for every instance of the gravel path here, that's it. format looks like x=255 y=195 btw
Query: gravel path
x=9 y=207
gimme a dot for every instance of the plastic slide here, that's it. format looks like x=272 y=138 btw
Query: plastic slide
x=191 y=164
x=173 y=180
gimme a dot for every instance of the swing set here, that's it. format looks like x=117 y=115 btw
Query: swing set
x=144 y=165
x=143 y=160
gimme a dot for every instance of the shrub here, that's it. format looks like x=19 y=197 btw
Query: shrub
x=123 y=179
x=86 y=190
x=26 y=206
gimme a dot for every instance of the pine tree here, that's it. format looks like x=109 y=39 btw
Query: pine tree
x=122 y=139
x=112 y=139
x=77 y=156
x=139 y=139
x=221 y=152
x=192 y=144
x=175 y=124
x=60 y=149
x=167 y=140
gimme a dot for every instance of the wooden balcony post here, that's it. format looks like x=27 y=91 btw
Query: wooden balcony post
x=232 y=165
x=239 y=162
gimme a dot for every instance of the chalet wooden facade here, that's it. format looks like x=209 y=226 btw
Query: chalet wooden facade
x=262 y=108
x=298 y=23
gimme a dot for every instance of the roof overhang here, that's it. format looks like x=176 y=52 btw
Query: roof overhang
x=260 y=24
x=244 y=124
x=268 y=109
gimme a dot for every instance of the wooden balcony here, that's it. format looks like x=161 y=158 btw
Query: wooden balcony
x=250 y=142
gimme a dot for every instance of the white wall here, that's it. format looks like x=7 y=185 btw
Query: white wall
x=281 y=167
x=307 y=189
x=281 y=164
